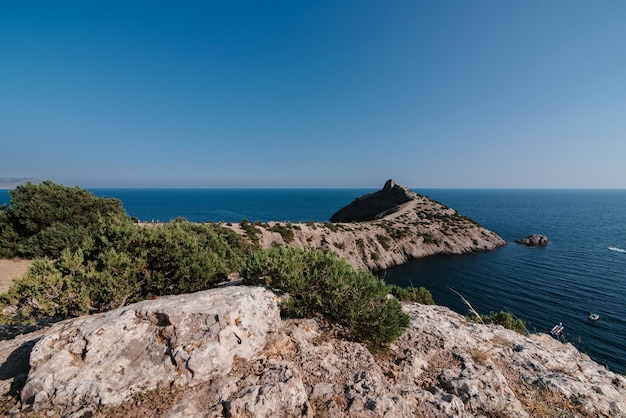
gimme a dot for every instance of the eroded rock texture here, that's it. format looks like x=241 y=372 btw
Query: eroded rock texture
x=226 y=352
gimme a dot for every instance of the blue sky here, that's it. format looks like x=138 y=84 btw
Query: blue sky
x=314 y=93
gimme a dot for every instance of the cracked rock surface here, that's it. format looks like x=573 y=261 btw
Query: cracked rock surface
x=226 y=352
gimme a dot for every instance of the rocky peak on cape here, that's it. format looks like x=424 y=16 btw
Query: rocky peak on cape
x=375 y=205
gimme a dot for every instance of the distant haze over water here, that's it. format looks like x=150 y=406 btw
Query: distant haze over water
x=563 y=282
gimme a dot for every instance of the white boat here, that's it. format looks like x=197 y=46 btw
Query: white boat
x=593 y=316
x=619 y=250
x=557 y=330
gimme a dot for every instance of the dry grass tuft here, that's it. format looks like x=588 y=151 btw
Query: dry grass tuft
x=479 y=355
x=547 y=403
x=156 y=403
x=437 y=363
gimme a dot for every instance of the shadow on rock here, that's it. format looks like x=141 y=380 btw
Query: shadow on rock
x=16 y=366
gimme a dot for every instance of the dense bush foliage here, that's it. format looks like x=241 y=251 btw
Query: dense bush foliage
x=321 y=283
x=123 y=263
x=186 y=257
x=44 y=219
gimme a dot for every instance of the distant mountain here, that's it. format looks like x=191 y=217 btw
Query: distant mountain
x=13 y=182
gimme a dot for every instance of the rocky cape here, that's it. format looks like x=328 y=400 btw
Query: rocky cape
x=380 y=230
x=226 y=352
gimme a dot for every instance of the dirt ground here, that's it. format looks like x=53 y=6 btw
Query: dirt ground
x=10 y=269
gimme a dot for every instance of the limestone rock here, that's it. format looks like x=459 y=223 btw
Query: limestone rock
x=184 y=340
x=442 y=366
x=534 y=240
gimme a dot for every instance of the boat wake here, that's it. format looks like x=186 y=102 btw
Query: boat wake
x=619 y=250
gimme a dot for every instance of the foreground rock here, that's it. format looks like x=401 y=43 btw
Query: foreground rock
x=226 y=352
x=534 y=240
x=381 y=230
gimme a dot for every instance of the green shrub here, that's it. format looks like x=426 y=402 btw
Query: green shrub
x=124 y=263
x=285 y=231
x=384 y=241
x=412 y=294
x=507 y=320
x=72 y=285
x=429 y=239
x=320 y=283
x=186 y=257
x=9 y=238
x=44 y=219
x=250 y=231
x=331 y=226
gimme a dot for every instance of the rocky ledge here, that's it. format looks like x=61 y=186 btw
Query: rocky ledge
x=381 y=230
x=227 y=353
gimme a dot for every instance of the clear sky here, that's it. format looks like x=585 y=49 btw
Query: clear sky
x=314 y=93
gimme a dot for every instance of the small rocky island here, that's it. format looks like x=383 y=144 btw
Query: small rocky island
x=381 y=230
x=534 y=240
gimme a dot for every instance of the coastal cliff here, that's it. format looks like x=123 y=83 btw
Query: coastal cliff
x=381 y=230
x=226 y=352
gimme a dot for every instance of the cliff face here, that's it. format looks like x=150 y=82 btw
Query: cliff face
x=226 y=352
x=384 y=229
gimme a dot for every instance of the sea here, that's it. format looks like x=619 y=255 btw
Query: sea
x=573 y=275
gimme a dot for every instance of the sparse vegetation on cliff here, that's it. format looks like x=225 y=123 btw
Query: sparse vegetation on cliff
x=384 y=240
x=250 y=231
x=285 y=231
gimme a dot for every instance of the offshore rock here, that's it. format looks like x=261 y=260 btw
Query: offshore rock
x=534 y=240
x=442 y=366
x=382 y=229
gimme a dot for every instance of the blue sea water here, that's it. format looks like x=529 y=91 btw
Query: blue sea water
x=563 y=282
x=233 y=205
